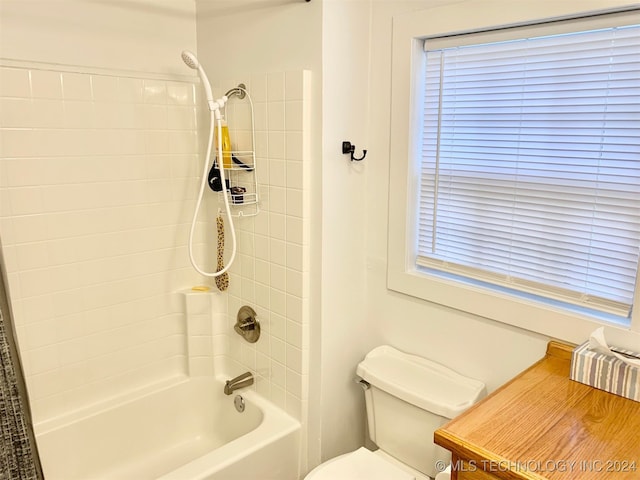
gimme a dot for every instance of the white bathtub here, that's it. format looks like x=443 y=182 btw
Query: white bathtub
x=187 y=431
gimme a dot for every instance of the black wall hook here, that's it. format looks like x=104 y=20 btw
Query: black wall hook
x=348 y=148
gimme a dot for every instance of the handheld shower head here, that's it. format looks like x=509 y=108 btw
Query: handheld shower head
x=190 y=59
x=192 y=62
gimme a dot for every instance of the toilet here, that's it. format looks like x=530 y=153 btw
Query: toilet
x=407 y=398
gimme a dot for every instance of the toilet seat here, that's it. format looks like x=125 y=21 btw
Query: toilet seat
x=361 y=464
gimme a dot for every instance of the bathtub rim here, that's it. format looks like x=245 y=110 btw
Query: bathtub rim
x=112 y=402
x=276 y=425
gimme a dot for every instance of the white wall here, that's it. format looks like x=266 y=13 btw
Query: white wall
x=346 y=328
x=141 y=35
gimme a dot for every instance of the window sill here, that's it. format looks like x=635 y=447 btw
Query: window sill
x=516 y=310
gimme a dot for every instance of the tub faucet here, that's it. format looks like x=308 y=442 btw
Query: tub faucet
x=240 y=381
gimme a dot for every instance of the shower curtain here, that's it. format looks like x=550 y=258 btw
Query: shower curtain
x=18 y=452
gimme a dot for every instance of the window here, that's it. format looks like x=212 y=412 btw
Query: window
x=508 y=199
x=530 y=163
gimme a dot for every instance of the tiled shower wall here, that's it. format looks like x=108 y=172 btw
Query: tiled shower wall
x=98 y=179
x=271 y=273
x=98 y=175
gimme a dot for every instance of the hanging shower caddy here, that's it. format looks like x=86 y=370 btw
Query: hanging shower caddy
x=242 y=174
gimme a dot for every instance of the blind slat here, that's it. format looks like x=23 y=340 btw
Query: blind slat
x=538 y=167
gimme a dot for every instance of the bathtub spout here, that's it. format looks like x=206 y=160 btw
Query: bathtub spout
x=240 y=381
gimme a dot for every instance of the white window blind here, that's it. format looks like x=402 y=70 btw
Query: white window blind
x=530 y=169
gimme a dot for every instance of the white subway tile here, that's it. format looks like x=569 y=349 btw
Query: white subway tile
x=26 y=200
x=278 y=302
x=258 y=87
x=260 y=121
x=294 y=334
x=31 y=255
x=248 y=356
x=130 y=90
x=179 y=93
x=263 y=386
x=276 y=141
x=43 y=359
x=155 y=117
x=106 y=115
x=293 y=116
x=15 y=82
x=78 y=115
x=295 y=202
x=46 y=84
x=220 y=344
x=248 y=290
x=278 y=200
x=295 y=257
x=277 y=174
x=294 y=358
x=69 y=302
x=279 y=396
x=278 y=226
x=278 y=326
x=294 y=230
x=155 y=91
x=261 y=148
x=294 y=85
x=278 y=278
x=20 y=172
x=104 y=88
x=278 y=373
x=276 y=116
x=262 y=295
x=113 y=231
x=72 y=351
x=200 y=346
x=294 y=383
x=201 y=366
x=294 y=174
x=40 y=334
x=275 y=86
x=278 y=252
x=76 y=86
x=295 y=284
x=16 y=142
x=16 y=113
x=294 y=146
x=47 y=113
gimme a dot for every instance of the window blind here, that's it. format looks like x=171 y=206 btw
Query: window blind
x=530 y=169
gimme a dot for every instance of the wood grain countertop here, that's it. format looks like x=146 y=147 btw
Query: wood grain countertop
x=542 y=425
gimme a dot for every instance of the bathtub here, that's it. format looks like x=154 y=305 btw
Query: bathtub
x=188 y=430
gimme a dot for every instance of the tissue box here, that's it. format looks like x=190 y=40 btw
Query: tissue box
x=606 y=372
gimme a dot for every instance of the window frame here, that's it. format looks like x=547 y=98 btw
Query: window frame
x=409 y=32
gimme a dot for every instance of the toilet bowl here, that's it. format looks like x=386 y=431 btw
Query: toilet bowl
x=362 y=464
x=407 y=398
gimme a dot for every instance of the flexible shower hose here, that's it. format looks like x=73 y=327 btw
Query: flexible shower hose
x=226 y=200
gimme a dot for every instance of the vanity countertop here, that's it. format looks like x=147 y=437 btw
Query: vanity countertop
x=542 y=425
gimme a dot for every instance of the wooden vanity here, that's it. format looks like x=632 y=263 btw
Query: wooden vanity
x=542 y=425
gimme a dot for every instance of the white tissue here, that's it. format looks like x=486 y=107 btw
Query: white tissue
x=597 y=343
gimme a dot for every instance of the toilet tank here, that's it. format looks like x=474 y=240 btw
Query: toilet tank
x=409 y=397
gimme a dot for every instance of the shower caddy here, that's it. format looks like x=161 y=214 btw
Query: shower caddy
x=242 y=176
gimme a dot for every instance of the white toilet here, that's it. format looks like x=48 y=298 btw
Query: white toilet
x=407 y=399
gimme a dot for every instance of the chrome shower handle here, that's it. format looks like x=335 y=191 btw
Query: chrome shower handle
x=247 y=325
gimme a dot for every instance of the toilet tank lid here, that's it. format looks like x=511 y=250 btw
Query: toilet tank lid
x=419 y=381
